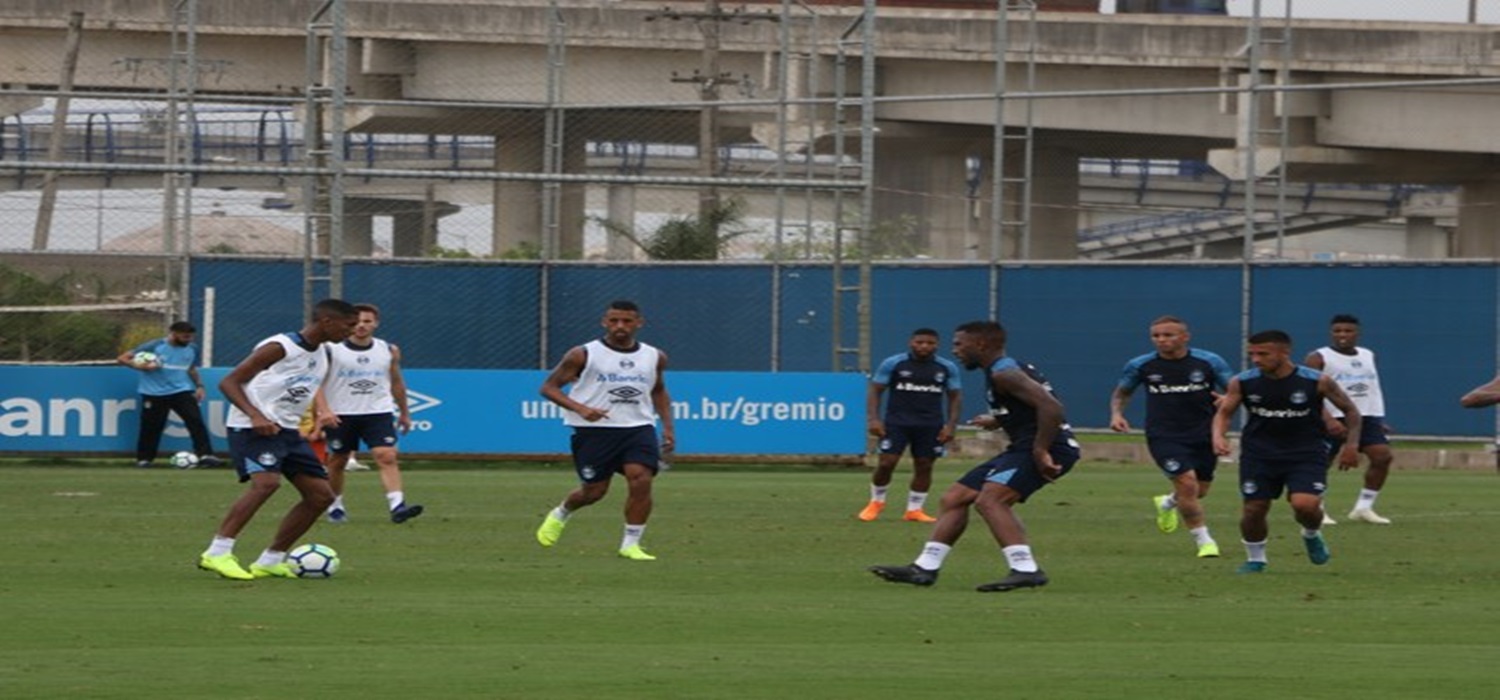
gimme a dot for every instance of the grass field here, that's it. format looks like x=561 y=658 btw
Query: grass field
x=760 y=592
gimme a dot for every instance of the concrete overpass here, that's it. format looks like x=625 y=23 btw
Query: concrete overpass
x=1428 y=128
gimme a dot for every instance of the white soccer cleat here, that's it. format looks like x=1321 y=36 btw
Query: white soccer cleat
x=353 y=465
x=1328 y=520
x=1369 y=516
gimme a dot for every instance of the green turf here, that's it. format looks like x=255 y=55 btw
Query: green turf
x=760 y=592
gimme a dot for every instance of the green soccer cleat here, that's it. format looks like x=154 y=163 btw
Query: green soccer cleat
x=1317 y=549
x=225 y=565
x=1208 y=550
x=1166 y=518
x=1251 y=567
x=280 y=570
x=635 y=553
x=550 y=531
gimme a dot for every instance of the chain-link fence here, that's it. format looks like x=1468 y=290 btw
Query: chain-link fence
x=137 y=138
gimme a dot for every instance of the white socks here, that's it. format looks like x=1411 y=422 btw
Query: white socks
x=877 y=493
x=220 y=546
x=1255 y=551
x=1366 y=500
x=933 y=554
x=632 y=536
x=395 y=498
x=915 y=500
x=1019 y=557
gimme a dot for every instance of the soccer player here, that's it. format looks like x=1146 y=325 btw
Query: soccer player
x=618 y=393
x=1282 y=446
x=269 y=391
x=1181 y=385
x=1353 y=368
x=1041 y=450
x=921 y=385
x=170 y=385
x=365 y=400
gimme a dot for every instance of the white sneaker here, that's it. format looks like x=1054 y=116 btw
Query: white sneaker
x=1328 y=520
x=355 y=466
x=1369 y=516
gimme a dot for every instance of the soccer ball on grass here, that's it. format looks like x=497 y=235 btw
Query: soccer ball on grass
x=184 y=460
x=314 y=561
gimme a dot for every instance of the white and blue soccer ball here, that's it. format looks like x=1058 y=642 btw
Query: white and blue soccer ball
x=145 y=357
x=314 y=561
x=184 y=460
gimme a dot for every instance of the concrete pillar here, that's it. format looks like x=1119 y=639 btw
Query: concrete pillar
x=1478 y=234
x=920 y=183
x=572 y=210
x=359 y=220
x=1054 y=208
x=1425 y=239
x=518 y=205
x=622 y=214
x=408 y=233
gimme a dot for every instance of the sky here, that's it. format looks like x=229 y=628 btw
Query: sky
x=1411 y=10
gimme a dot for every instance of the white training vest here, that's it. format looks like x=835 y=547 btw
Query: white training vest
x=359 y=380
x=284 y=390
x=1356 y=375
x=618 y=382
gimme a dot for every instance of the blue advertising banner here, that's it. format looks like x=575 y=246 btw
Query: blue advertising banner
x=94 y=409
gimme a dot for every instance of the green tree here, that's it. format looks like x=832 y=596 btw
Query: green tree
x=40 y=337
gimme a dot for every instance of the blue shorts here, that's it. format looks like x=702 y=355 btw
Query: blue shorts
x=375 y=429
x=1176 y=458
x=286 y=453
x=1371 y=432
x=923 y=440
x=1017 y=470
x=1264 y=479
x=600 y=453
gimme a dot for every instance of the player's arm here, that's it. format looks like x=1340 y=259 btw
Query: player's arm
x=1225 y=412
x=1118 y=400
x=1049 y=415
x=950 y=424
x=1348 y=454
x=1486 y=394
x=398 y=392
x=198 y=394
x=127 y=358
x=873 y=423
x=232 y=386
x=662 y=402
x=567 y=371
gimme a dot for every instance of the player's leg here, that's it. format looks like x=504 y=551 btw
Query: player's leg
x=263 y=481
x=925 y=449
x=952 y=520
x=1259 y=485
x=153 y=421
x=595 y=452
x=339 y=443
x=892 y=445
x=305 y=473
x=185 y=405
x=638 y=505
x=1172 y=459
x=996 y=506
x=1305 y=485
x=1380 y=457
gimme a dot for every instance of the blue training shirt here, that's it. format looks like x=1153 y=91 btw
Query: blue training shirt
x=1284 y=417
x=1179 y=393
x=1018 y=418
x=917 y=390
x=172 y=377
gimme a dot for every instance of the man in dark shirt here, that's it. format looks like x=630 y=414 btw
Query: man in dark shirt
x=921 y=385
x=1282 y=446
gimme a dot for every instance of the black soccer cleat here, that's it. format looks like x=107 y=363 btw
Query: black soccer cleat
x=1016 y=579
x=404 y=512
x=911 y=573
